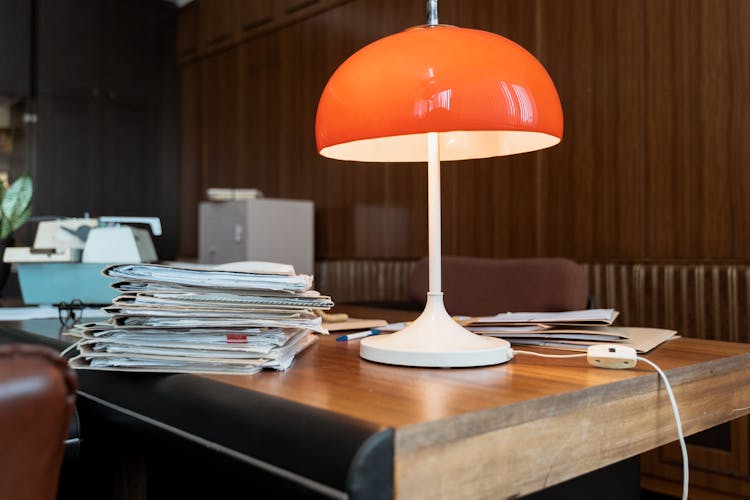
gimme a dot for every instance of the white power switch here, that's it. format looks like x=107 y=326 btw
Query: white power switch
x=611 y=356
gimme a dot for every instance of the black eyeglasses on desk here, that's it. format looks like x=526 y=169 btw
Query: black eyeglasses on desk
x=70 y=313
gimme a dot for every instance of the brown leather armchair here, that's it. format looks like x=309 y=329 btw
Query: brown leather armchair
x=37 y=396
x=479 y=286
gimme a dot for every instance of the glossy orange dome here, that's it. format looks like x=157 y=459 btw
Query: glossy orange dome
x=486 y=95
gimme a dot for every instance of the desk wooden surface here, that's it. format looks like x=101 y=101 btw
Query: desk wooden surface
x=515 y=428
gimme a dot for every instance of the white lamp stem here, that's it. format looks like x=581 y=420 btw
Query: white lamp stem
x=433 y=210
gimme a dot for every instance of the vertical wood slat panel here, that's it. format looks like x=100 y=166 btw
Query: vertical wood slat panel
x=698 y=300
x=683 y=305
x=733 y=313
x=667 y=295
x=364 y=280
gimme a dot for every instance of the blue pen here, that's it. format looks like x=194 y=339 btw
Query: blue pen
x=358 y=335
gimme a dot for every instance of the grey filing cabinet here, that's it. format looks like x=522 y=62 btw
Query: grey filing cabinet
x=264 y=229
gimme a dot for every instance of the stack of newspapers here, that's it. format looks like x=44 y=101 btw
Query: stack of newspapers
x=181 y=318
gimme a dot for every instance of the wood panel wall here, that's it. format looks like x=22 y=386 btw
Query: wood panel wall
x=654 y=163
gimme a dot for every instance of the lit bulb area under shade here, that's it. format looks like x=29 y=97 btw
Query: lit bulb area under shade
x=460 y=145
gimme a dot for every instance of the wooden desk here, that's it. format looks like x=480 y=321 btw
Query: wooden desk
x=510 y=429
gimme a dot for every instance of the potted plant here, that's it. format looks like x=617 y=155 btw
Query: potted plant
x=15 y=210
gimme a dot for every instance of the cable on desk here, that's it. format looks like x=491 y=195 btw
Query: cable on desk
x=70 y=348
x=678 y=422
x=532 y=353
x=675 y=410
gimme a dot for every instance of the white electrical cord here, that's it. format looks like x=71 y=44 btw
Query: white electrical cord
x=70 y=348
x=532 y=353
x=678 y=422
x=675 y=410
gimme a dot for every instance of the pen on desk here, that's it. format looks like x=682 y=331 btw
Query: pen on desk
x=358 y=335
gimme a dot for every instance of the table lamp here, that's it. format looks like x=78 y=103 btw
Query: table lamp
x=431 y=93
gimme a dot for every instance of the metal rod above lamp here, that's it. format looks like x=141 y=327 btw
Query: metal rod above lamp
x=431 y=93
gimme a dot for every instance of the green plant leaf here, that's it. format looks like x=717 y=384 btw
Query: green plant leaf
x=16 y=205
x=5 y=230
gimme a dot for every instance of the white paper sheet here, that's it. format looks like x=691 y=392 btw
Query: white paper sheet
x=209 y=278
x=586 y=316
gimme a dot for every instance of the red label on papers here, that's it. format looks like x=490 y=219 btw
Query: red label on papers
x=236 y=339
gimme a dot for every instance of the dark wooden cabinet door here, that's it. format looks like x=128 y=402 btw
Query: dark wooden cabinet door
x=68 y=48
x=134 y=179
x=295 y=5
x=110 y=51
x=719 y=464
x=220 y=143
x=104 y=160
x=15 y=48
x=255 y=14
x=130 y=62
x=218 y=20
x=66 y=173
x=93 y=158
x=188 y=31
x=127 y=144
x=190 y=158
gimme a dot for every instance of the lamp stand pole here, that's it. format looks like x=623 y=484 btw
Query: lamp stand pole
x=433 y=212
x=434 y=339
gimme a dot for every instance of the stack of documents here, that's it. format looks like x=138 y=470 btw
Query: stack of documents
x=575 y=330
x=198 y=319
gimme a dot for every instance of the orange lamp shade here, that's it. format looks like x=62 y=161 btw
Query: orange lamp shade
x=486 y=95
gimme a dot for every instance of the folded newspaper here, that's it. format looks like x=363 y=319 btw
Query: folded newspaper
x=197 y=319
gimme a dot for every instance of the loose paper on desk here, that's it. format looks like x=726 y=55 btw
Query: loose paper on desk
x=641 y=339
x=583 y=317
x=353 y=324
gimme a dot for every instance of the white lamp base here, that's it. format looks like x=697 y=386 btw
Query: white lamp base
x=434 y=339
